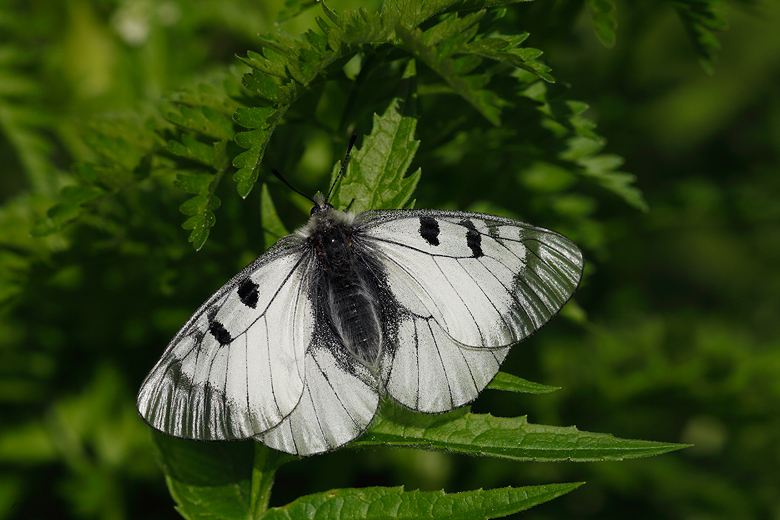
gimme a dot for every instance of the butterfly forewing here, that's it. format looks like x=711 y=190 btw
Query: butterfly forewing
x=482 y=278
x=236 y=368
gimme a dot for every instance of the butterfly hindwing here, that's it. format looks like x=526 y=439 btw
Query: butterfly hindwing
x=339 y=401
x=236 y=368
x=431 y=373
x=473 y=285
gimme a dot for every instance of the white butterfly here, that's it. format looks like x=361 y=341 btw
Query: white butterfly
x=298 y=348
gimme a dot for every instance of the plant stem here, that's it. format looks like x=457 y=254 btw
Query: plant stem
x=266 y=462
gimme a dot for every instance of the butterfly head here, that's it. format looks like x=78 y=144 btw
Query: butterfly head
x=324 y=216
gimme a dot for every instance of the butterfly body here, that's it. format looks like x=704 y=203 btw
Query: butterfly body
x=346 y=282
x=420 y=306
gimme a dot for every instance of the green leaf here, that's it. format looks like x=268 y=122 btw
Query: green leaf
x=450 y=50
x=273 y=228
x=203 y=120
x=261 y=84
x=218 y=480
x=602 y=14
x=191 y=148
x=293 y=8
x=81 y=194
x=505 y=49
x=395 y=503
x=262 y=120
x=701 y=19
x=510 y=383
x=501 y=437
x=57 y=217
x=601 y=168
x=200 y=208
x=375 y=177
x=411 y=13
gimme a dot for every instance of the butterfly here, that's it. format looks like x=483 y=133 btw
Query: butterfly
x=298 y=349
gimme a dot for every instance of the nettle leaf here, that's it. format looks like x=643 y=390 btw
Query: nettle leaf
x=602 y=14
x=395 y=503
x=375 y=176
x=507 y=438
x=702 y=18
x=510 y=383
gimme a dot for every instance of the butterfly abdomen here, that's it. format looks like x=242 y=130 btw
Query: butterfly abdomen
x=349 y=293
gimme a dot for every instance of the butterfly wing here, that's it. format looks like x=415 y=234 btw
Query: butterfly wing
x=236 y=368
x=339 y=400
x=472 y=285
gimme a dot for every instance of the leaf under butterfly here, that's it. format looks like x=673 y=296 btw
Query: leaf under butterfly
x=502 y=437
x=383 y=503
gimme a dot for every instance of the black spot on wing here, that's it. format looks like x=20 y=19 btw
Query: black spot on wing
x=429 y=230
x=220 y=334
x=247 y=292
x=473 y=238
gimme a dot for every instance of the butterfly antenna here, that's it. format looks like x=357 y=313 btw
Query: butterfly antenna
x=343 y=165
x=296 y=190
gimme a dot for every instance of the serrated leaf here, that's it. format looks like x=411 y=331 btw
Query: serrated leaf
x=261 y=84
x=485 y=102
x=262 y=120
x=200 y=208
x=602 y=14
x=202 y=119
x=358 y=27
x=216 y=92
x=375 y=177
x=510 y=383
x=202 y=220
x=193 y=149
x=395 y=503
x=273 y=228
x=501 y=437
x=213 y=480
x=505 y=49
x=193 y=183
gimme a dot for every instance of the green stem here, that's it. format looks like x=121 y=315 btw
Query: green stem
x=267 y=461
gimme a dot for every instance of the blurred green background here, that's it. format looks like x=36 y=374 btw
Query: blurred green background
x=683 y=301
